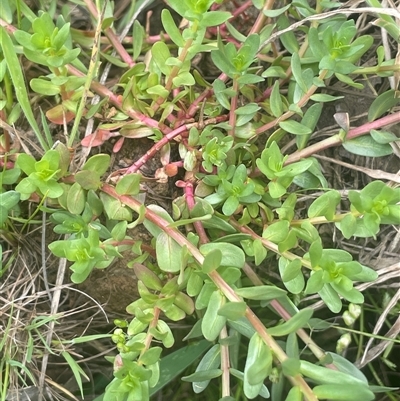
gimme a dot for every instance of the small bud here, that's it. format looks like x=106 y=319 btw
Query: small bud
x=355 y=310
x=343 y=343
x=171 y=170
x=348 y=319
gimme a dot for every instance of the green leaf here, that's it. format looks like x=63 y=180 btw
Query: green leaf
x=321 y=374
x=295 y=323
x=276 y=103
x=240 y=375
x=138 y=34
x=261 y=292
x=295 y=63
x=325 y=205
x=354 y=392
x=294 y=394
x=288 y=39
x=295 y=128
x=212 y=322
x=168 y=253
x=184 y=78
x=214 y=18
x=231 y=254
x=383 y=136
x=233 y=310
x=44 y=87
x=291 y=366
x=209 y=363
x=276 y=12
x=258 y=366
x=330 y=298
x=296 y=285
x=323 y=98
x=348 y=225
x=366 y=146
x=277 y=232
x=161 y=54
x=171 y=28
x=382 y=104
x=76 y=199
x=346 y=366
x=317 y=47
x=176 y=362
x=88 y=179
x=129 y=184
x=98 y=163
x=212 y=261
x=292 y=270
x=242 y=326
x=114 y=209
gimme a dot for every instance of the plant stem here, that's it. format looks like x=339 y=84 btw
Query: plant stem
x=234 y=101
x=336 y=140
x=302 y=102
x=225 y=366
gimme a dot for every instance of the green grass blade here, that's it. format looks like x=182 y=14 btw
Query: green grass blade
x=17 y=78
x=76 y=370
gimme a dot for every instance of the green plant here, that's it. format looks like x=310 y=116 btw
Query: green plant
x=240 y=212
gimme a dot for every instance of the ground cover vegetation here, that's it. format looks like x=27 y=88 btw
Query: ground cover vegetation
x=240 y=159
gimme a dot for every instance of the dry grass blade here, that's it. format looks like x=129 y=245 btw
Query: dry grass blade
x=371 y=354
x=373 y=173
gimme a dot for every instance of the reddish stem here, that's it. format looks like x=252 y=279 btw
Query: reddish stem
x=167 y=138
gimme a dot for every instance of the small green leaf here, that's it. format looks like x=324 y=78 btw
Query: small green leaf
x=212 y=261
x=277 y=232
x=354 y=392
x=44 y=87
x=325 y=205
x=330 y=298
x=295 y=128
x=214 y=18
x=294 y=394
x=297 y=72
x=258 y=366
x=233 y=310
x=114 y=209
x=138 y=34
x=161 y=54
x=323 y=98
x=128 y=184
x=366 y=146
x=292 y=270
x=232 y=255
x=296 y=285
x=291 y=366
x=288 y=39
x=168 y=253
x=276 y=12
x=88 y=179
x=171 y=28
x=276 y=103
x=383 y=136
x=382 y=104
x=212 y=322
x=295 y=323
x=262 y=292
x=76 y=199
x=98 y=163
